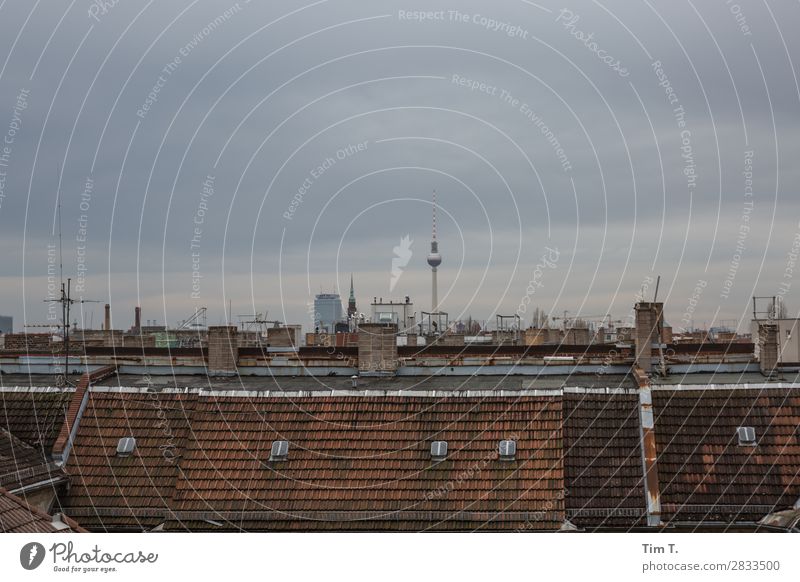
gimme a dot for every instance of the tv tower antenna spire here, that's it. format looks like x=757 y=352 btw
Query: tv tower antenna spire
x=434 y=260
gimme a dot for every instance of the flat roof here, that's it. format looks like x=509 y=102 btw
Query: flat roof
x=723 y=377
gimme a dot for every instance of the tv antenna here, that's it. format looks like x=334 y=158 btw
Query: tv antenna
x=65 y=299
x=66 y=302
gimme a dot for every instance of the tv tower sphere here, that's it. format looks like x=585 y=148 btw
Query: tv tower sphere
x=434 y=260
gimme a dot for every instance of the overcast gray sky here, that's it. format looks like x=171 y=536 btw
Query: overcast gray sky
x=622 y=134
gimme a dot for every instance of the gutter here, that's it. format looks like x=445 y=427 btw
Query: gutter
x=40 y=485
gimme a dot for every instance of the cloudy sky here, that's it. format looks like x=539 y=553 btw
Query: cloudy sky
x=210 y=153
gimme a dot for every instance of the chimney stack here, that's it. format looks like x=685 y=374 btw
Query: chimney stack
x=377 y=349
x=768 y=348
x=649 y=320
x=137 y=319
x=223 y=350
x=107 y=325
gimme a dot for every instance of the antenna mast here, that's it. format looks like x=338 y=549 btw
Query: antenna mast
x=60 y=242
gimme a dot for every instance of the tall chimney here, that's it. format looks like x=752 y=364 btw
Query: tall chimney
x=649 y=319
x=768 y=348
x=377 y=349
x=137 y=319
x=223 y=350
x=107 y=325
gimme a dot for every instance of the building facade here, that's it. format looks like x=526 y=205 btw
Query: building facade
x=788 y=338
x=327 y=312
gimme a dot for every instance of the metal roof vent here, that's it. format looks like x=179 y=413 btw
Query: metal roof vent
x=439 y=450
x=747 y=436
x=280 y=451
x=508 y=450
x=126 y=446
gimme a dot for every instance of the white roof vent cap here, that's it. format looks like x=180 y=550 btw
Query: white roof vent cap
x=439 y=450
x=508 y=450
x=279 y=451
x=126 y=446
x=747 y=436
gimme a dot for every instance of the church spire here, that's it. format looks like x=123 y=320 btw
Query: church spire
x=351 y=304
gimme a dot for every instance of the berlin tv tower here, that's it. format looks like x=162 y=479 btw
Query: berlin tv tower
x=434 y=260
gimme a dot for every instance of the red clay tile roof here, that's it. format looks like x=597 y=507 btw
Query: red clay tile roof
x=16 y=516
x=355 y=463
x=34 y=416
x=372 y=455
x=603 y=460
x=21 y=465
x=111 y=492
x=705 y=474
x=363 y=463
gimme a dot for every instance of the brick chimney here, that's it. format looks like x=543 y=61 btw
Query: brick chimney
x=137 y=319
x=223 y=350
x=768 y=347
x=107 y=324
x=377 y=349
x=649 y=319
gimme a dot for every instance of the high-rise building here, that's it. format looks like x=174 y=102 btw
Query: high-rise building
x=6 y=324
x=327 y=312
x=434 y=260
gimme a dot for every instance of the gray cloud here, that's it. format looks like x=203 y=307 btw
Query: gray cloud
x=260 y=106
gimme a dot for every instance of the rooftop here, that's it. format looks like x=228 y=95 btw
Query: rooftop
x=603 y=460
x=16 y=516
x=360 y=459
x=23 y=467
x=355 y=464
x=327 y=384
x=706 y=474
x=34 y=416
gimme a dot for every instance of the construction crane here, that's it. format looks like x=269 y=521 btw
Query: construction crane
x=602 y=317
x=257 y=321
x=196 y=320
x=558 y=318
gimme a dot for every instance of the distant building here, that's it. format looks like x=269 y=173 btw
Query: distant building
x=540 y=336
x=6 y=324
x=788 y=338
x=400 y=313
x=284 y=336
x=348 y=339
x=327 y=312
